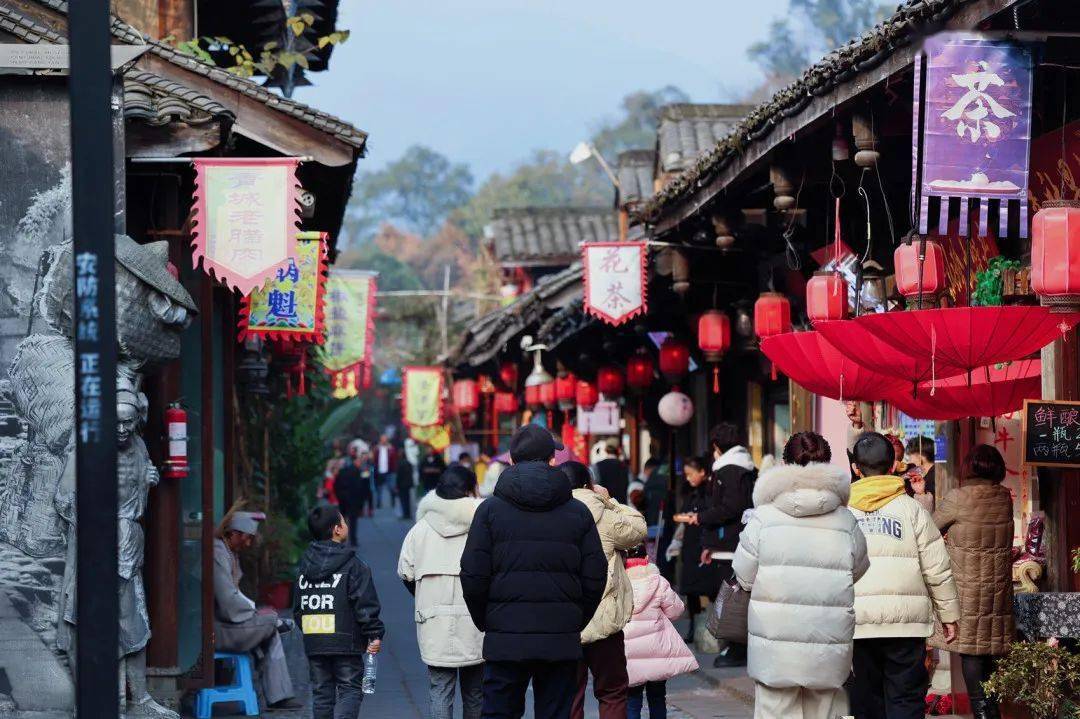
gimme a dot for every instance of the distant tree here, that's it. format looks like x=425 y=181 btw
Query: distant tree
x=416 y=191
x=636 y=129
x=393 y=273
x=812 y=29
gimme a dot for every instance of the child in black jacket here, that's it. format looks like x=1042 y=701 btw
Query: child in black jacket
x=337 y=608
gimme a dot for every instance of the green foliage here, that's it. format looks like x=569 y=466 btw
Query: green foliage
x=636 y=128
x=393 y=273
x=1076 y=560
x=1043 y=678
x=988 y=285
x=812 y=29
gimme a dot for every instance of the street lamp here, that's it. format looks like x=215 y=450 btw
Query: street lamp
x=583 y=151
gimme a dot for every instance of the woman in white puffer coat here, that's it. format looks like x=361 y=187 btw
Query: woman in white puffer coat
x=799 y=557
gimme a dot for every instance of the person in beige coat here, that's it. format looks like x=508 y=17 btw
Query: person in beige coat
x=978 y=518
x=430 y=565
x=909 y=586
x=620 y=528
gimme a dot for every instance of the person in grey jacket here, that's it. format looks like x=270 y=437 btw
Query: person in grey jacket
x=238 y=626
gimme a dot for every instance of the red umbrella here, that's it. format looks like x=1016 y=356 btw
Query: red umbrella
x=993 y=391
x=970 y=337
x=870 y=351
x=816 y=365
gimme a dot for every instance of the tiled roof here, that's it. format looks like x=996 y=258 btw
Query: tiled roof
x=688 y=131
x=534 y=236
x=158 y=101
x=635 y=172
x=837 y=68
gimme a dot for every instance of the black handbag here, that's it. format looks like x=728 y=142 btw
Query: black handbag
x=727 y=620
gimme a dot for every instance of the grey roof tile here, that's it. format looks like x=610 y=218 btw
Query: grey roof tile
x=549 y=235
x=635 y=170
x=687 y=131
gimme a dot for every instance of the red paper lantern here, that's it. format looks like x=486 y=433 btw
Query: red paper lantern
x=772 y=314
x=548 y=397
x=674 y=359
x=586 y=395
x=1055 y=254
x=610 y=382
x=508 y=375
x=505 y=403
x=639 y=372
x=714 y=335
x=466 y=396
x=906 y=263
x=566 y=391
x=826 y=297
x=532 y=396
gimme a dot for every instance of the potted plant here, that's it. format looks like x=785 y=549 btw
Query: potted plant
x=1042 y=678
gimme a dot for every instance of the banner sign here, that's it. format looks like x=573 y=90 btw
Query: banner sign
x=290 y=307
x=615 y=280
x=976 y=125
x=421 y=396
x=604 y=418
x=438 y=436
x=350 y=320
x=245 y=218
x=346 y=383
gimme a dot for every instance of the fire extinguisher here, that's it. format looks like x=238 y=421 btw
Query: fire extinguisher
x=176 y=466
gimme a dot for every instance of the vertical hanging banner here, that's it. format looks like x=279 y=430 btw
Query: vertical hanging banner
x=350 y=330
x=615 y=280
x=291 y=306
x=246 y=213
x=421 y=396
x=976 y=128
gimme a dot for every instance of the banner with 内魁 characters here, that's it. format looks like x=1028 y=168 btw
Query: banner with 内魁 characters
x=350 y=328
x=291 y=306
x=421 y=396
x=244 y=218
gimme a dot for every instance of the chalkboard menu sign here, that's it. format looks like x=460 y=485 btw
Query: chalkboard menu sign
x=1051 y=434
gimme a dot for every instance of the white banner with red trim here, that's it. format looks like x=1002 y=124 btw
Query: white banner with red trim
x=616 y=289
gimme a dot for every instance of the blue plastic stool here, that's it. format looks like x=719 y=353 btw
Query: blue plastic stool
x=242 y=689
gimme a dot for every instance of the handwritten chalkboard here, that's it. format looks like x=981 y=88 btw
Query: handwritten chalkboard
x=1051 y=433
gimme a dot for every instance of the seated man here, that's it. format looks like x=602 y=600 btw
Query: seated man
x=238 y=626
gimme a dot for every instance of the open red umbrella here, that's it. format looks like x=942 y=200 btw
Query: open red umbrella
x=867 y=349
x=970 y=337
x=993 y=390
x=813 y=363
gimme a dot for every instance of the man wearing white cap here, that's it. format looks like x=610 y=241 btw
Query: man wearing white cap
x=238 y=627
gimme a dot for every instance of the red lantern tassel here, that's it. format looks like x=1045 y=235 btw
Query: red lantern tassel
x=772 y=367
x=716 y=379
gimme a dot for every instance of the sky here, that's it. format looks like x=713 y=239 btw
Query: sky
x=485 y=82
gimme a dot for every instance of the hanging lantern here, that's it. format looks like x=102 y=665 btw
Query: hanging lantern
x=566 y=391
x=675 y=409
x=826 y=297
x=486 y=385
x=508 y=375
x=466 y=395
x=532 y=397
x=586 y=395
x=505 y=403
x=547 y=395
x=920 y=269
x=674 y=360
x=714 y=339
x=610 y=381
x=1055 y=255
x=772 y=314
x=639 y=372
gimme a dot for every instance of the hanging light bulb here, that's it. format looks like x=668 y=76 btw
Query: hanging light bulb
x=539 y=375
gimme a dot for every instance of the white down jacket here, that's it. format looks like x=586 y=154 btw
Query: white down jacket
x=800 y=556
x=431 y=557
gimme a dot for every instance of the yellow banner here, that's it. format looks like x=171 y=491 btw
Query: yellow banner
x=350 y=319
x=421 y=396
x=438 y=436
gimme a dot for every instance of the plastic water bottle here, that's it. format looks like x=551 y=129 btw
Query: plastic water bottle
x=368 y=683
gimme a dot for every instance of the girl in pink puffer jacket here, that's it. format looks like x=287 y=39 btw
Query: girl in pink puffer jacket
x=654 y=650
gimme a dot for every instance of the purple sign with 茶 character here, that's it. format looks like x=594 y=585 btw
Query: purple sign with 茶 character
x=976 y=127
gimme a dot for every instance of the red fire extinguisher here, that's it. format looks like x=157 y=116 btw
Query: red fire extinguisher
x=176 y=466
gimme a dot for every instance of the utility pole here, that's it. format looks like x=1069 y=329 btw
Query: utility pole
x=92 y=181
x=444 y=325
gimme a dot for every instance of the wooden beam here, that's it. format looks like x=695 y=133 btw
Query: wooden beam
x=819 y=110
x=172 y=140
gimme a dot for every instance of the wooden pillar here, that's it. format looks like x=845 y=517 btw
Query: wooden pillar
x=801 y=403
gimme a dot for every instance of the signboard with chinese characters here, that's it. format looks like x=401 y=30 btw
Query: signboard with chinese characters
x=246 y=214
x=421 y=396
x=615 y=280
x=975 y=105
x=1051 y=433
x=350 y=319
x=291 y=306
x=604 y=418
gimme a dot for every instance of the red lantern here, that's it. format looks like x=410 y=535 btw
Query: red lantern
x=610 y=382
x=547 y=395
x=532 y=396
x=466 y=396
x=826 y=297
x=505 y=403
x=674 y=359
x=587 y=396
x=906 y=261
x=714 y=339
x=1055 y=255
x=508 y=375
x=772 y=314
x=639 y=372
x=565 y=391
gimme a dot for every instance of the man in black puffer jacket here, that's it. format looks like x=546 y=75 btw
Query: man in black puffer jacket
x=532 y=573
